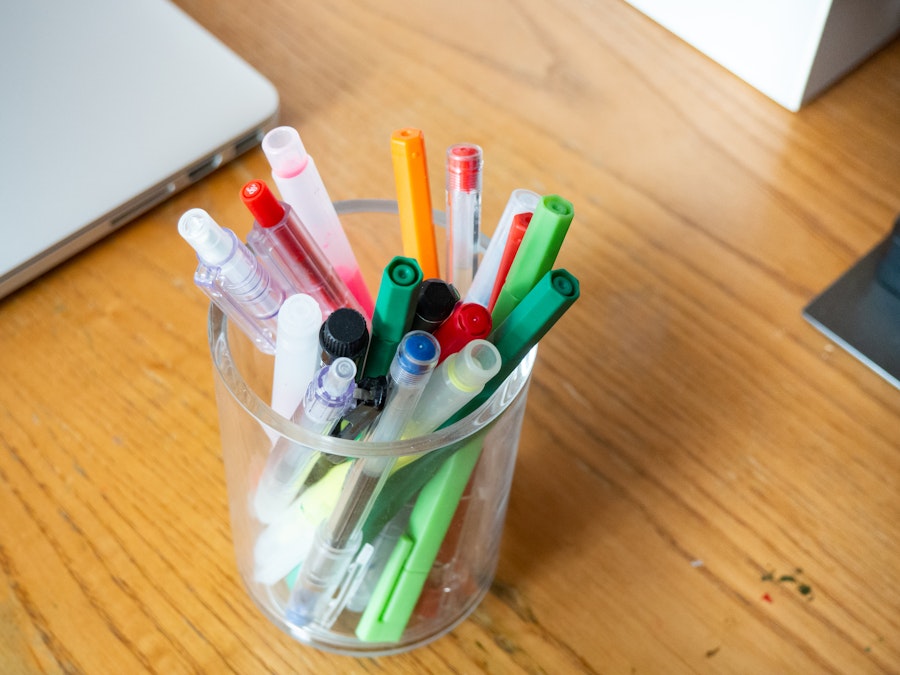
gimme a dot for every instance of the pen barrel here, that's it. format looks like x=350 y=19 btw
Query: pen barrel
x=463 y=209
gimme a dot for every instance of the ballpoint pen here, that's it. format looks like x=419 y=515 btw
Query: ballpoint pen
x=436 y=301
x=528 y=323
x=414 y=199
x=463 y=203
x=339 y=537
x=513 y=241
x=327 y=398
x=394 y=308
x=234 y=279
x=298 y=180
x=469 y=321
x=536 y=254
x=281 y=240
x=397 y=591
x=520 y=201
x=295 y=352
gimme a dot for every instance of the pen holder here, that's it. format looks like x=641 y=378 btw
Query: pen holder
x=427 y=551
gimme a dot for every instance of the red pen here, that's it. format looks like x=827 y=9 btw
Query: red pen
x=516 y=232
x=281 y=241
x=468 y=321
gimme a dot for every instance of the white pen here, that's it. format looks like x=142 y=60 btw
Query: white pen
x=298 y=180
x=296 y=352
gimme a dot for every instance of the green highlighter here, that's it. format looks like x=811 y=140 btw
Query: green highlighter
x=536 y=254
x=445 y=472
x=400 y=585
x=394 y=308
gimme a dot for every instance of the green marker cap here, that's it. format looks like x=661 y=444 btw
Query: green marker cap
x=394 y=307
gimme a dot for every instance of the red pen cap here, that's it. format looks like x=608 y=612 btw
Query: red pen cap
x=464 y=167
x=469 y=321
x=266 y=210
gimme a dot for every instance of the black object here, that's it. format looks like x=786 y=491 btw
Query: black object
x=436 y=301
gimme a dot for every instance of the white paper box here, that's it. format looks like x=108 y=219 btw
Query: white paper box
x=791 y=50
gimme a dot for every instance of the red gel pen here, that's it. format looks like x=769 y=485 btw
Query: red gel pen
x=282 y=242
x=469 y=321
x=516 y=233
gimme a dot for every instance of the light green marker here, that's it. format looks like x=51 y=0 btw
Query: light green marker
x=536 y=255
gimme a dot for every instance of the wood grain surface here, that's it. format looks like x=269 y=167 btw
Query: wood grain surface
x=705 y=483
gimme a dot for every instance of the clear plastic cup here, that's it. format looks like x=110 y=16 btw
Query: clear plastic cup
x=430 y=544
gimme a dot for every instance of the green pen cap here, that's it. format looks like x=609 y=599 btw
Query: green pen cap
x=394 y=307
x=536 y=254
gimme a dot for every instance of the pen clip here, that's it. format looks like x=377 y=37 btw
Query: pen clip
x=348 y=586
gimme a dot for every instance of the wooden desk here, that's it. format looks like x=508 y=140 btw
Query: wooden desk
x=707 y=441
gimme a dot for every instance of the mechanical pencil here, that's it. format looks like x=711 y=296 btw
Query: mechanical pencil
x=298 y=180
x=234 y=279
x=394 y=308
x=536 y=254
x=280 y=239
x=463 y=204
x=520 y=201
x=327 y=399
x=414 y=199
x=340 y=537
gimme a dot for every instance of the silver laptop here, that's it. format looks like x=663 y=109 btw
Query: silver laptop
x=107 y=107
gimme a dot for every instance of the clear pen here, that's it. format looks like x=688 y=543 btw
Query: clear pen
x=328 y=397
x=233 y=278
x=298 y=180
x=520 y=201
x=464 y=163
x=340 y=536
x=282 y=240
x=296 y=349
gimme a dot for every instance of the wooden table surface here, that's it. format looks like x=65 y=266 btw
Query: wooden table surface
x=713 y=487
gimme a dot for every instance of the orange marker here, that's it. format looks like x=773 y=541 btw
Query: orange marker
x=414 y=199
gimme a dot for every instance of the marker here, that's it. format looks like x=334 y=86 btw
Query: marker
x=455 y=382
x=414 y=199
x=344 y=334
x=295 y=352
x=520 y=201
x=436 y=301
x=327 y=398
x=536 y=254
x=469 y=321
x=513 y=241
x=281 y=240
x=463 y=204
x=393 y=312
x=298 y=180
x=339 y=538
x=234 y=279
x=529 y=322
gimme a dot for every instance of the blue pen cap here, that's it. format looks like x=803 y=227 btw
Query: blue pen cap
x=416 y=357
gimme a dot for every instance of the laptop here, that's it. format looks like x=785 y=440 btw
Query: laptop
x=108 y=108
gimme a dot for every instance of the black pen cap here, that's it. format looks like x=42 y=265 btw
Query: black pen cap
x=436 y=301
x=344 y=333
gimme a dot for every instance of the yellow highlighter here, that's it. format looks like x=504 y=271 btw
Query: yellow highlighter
x=414 y=199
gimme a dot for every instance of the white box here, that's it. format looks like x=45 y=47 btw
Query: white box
x=790 y=50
